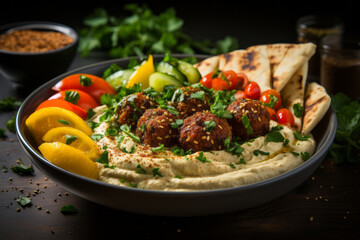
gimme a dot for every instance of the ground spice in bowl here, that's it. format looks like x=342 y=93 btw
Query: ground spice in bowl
x=33 y=41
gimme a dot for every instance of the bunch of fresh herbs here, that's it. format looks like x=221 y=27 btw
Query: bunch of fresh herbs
x=143 y=33
x=346 y=145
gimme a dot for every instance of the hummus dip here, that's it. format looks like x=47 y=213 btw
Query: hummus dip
x=132 y=164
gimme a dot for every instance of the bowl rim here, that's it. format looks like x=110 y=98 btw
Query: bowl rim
x=327 y=141
x=44 y=25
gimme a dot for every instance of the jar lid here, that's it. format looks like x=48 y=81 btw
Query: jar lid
x=344 y=43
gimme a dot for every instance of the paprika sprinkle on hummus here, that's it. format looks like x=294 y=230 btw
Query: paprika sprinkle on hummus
x=34 y=41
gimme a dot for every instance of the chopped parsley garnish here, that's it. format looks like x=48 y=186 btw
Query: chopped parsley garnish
x=160 y=148
x=104 y=159
x=68 y=209
x=70 y=139
x=90 y=113
x=298 y=110
x=201 y=158
x=295 y=153
x=274 y=136
x=245 y=121
x=232 y=165
x=178 y=123
x=4 y=169
x=96 y=137
x=178 y=176
x=9 y=103
x=63 y=122
x=2 y=133
x=140 y=170
x=241 y=161
x=198 y=95
x=258 y=151
x=10 y=124
x=111 y=131
x=233 y=147
x=155 y=172
x=85 y=81
x=24 y=201
x=221 y=100
x=93 y=125
x=301 y=137
x=22 y=169
x=273 y=101
x=179 y=151
x=132 y=149
x=72 y=96
x=305 y=156
x=209 y=125
x=127 y=130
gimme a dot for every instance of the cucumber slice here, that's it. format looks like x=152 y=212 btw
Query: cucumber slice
x=159 y=80
x=168 y=68
x=120 y=78
x=192 y=74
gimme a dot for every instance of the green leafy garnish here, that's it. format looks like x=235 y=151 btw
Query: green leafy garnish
x=245 y=121
x=274 y=136
x=179 y=151
x=301 y=137
x=273 y=101
x=90 y=113
x=96 y=137
x=202 y=158
x=298 y=109
x=70 y=139
x=85 y=81
x=178 y=123
x=198 y=95
x=127 y=130
x=2 y=133
x=24 y=201
x=141 y=32
x=209 y=125
x=68 y=209
x=346 y=145
x=233 y=147
x=72 y=96
x=305 y=156
x=22 y=169
x=258 y=151
x=160 y=148
x=4 y=169
x=10 y=124
x=155 y=172
x=9 y=103
x=140 y=170
x=232 y=165
x=104 y=159
x=63 y=122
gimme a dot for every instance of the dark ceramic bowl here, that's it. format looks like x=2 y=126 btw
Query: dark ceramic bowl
x=169 y=203
x=33 y=69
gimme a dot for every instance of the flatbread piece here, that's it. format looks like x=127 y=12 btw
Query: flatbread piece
x=207 y=65
x=317 y=103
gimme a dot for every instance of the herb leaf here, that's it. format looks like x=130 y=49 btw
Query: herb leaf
x=72 y=96
x=24 y=201
x=22 y=169
x=209 y=125
x=68 y=209
x=298 y=110
x=70 y=139
x=301 y=137
x=201 y=158
x=245 y=121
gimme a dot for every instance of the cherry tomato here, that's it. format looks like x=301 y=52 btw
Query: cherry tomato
x=285 y=117
x=91 y=84
x=85 y=101
x=268 y=98
x=220 y=84
x=272 y=113
x=206 y=81
x=243 y=79
x=65 y=105
x=232 y=77
x=240 y=94
x=252 y=90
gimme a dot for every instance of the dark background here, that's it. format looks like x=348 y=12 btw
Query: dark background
x=251 y=22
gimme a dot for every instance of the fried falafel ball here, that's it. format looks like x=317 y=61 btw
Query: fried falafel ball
x=204 y=131
x=154 y=128
x=192 y=100
x=133 y=106
x=256 y=114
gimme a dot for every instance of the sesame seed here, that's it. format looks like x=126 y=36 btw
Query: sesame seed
x=188 y=139
x=196 y=142
x=220 y=127
x=212 y=142
x=193 y=109
x=159 y=138
x=203 y=137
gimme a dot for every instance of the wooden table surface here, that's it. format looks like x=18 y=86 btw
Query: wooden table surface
x=325 y=206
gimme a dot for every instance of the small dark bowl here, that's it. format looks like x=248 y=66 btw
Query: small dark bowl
x=33 y=69
x=161 y=203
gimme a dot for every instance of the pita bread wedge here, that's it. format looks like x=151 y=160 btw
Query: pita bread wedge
x=208 y=65
x=252 y=61
x=293 y=93
x=317 y=102
x=276 y=52
x=296 y=55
